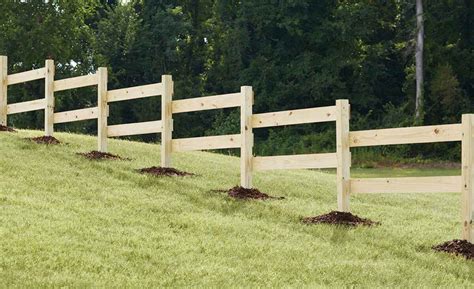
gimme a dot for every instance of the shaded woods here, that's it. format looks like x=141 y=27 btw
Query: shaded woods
x=295 y=54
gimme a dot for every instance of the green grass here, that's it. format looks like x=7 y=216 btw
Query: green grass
x=68 y=221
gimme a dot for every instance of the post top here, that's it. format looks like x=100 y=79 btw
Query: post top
x=166 y=77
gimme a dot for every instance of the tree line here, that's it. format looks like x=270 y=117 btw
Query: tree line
x=295 y=54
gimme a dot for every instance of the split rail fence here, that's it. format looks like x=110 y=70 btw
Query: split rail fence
x=339 y=113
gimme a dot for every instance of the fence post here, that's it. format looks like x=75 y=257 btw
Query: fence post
x=467 y=176
x=246 y=136
x=343 y=154
x=166 y=120
x=49 y=96
x=103 y=109
x=3 y=89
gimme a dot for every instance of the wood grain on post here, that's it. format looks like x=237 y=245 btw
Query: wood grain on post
x=343 y=154
x=49 y=96
x=3 y=89
x=103 y=109
x=246 y=137
x=467 y=176
x=166 y=120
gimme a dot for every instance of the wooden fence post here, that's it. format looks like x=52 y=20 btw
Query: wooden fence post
x=166 y=120
x=3 y=89
x=103 y=109
x=49 y=96
x=246 y=137
x=343 y=154
x=467 y=176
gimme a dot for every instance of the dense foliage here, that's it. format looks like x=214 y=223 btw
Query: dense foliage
x=295 y=54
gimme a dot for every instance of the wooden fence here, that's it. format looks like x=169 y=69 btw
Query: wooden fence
x=339 y=113
x=463 y=132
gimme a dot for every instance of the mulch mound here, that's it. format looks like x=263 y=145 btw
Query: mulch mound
x=48 y=140
x=6 y=128
x=457 y=247
x=161 y=171
x=242 y=193
x=339 y=218
x=96 y=155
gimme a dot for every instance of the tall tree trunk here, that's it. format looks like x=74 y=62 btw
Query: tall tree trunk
x=419 y=62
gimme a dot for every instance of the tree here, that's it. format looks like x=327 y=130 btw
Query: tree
x=32 y=31
x=419 y=61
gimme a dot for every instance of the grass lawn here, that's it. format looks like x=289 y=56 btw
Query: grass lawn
x=69 y=221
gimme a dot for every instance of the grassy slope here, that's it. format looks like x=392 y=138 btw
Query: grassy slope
x=67 y=220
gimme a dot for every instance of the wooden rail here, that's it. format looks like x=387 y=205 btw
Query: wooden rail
x=135 y=128
x=206 y=143
x=76 y=115
x=450 y=184
x=75 y=82
x=206 y=103
x=406 y=135
x=135 y=92
x=306 y=161
x=291 y=117
x=26 y=106
x=26 y=76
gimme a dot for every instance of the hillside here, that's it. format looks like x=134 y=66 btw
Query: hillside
x=66 y=220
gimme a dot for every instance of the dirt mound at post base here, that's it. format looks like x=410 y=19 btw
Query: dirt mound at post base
x=457 y=247
x=161 y=171
x=242 y=193
x=96 y=155
x=6 y=128
x=48 y=140
x=339 y=218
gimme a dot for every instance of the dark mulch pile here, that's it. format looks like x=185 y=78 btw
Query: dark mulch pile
x=457 y=247
x=160 y=171
x=96 y=155
x=6 y=128
x=242 y=193
x=48 y=140
x=339 y=218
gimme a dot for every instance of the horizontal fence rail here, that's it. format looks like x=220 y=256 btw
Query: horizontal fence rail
x=306 y=161
x=135 y=128
x=26 y=76
x=135 y=92
x=291 y=117
x=451 y=184
x=206 y=143
x=206 y=103
x=76 y=115
x=26 y=106
x=76 y=82
x=406 y=135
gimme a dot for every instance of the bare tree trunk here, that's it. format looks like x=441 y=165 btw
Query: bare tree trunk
x=419 y=62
